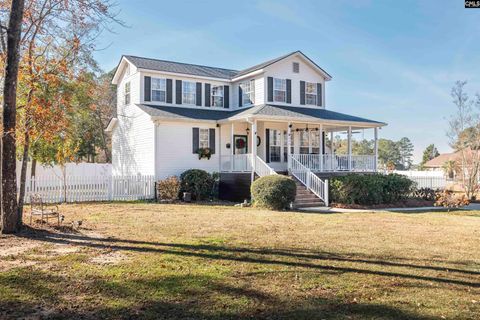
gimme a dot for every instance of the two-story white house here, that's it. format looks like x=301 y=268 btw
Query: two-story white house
x=268 y=118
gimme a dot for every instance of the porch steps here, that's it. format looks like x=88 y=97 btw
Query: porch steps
x=305 y=198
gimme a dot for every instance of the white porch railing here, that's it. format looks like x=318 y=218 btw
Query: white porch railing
x=309 y=179
x=328 y=162
x=236 y=163
x=263 y=169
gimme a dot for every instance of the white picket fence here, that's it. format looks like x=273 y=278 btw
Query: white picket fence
x=53 y=189
x=426 y=179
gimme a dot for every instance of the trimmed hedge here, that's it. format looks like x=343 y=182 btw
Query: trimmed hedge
x=370 y=188
x=198 y=182
x=274 y=192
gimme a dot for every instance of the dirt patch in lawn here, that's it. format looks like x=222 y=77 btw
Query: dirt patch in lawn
x=410 y=203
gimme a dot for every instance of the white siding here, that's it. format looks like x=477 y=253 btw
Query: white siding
x=133 y=137
x=174 y=149
x=284 y=70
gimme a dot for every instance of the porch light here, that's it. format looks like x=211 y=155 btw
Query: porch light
x=248 y=130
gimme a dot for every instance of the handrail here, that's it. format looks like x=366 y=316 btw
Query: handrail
x=309 y=179
x=261 y=168
x=337 y=162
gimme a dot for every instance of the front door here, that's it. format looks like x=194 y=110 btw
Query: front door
x=240 y=144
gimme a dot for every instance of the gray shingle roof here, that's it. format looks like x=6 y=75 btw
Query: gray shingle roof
x=204 y=71
x=312 y=114
x=184 y=68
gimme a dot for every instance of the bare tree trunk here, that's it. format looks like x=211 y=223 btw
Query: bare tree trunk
x=9 y=175
x=23 y=176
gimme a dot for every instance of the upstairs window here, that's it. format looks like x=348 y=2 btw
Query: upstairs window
x=248 y=92
x=159 y=89
x=217 y=96
x=204 y=138
x=311 y=93
x=279 y=90
x=126 y=93
x=189 y=92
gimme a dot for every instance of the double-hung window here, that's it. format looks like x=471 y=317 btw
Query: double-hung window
x=311 y=93
x=159 y=89
x=304 y=142
x=285 y=146
x=217 y=96
x=315 y=141
x=189 y=92
x=275 y=145
x=279 y=90
x=126 y=93
x=248 y=92
x=203 y=138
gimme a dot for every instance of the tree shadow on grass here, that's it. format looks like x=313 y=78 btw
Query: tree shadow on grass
x=261 y=256
x=171 y=297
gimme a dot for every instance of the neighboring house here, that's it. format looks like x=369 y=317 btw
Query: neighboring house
x=437 y=163
x=271 y=117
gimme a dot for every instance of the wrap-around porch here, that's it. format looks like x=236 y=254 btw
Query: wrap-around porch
x=282 y=144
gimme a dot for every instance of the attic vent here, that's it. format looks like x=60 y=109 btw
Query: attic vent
x=296 y=67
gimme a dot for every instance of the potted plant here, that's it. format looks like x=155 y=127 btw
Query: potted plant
x=204 y=153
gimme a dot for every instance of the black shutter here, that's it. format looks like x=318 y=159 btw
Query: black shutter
x=226 y=96
x=195 y=140
x=319 y=94
x=178 y=91
x=147 y=89
x=169 y=90
x=198 y=94
x=289 y=91
x=211 y=142
x=302 y=92
x=323 y=141
x=270 y=89
x=207 y=95
x=240 y=95
x=267 y=145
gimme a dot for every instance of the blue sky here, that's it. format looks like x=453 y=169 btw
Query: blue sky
x=392 y=61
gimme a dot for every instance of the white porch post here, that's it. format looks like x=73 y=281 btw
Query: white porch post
x=254 y=148
x=289 y=144
x=332 y=152
x=232 y=146
x=375 y=164
x=349 y=148
x=320 y=151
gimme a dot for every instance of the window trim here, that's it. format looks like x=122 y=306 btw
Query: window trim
x=152 y=89
x=194 y=94
x=284 y=84
x=200 y=137
x=250 y=94
x=311 y=94
x=212 y=96
x=127 y=93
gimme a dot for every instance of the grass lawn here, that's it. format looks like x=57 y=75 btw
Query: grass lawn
x=154 y=261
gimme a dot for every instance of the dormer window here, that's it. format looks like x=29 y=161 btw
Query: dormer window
x=311 y=93
x=159 y=89
x=217 y=96
x=189 y=93
x=279 y=90
x=296 y=67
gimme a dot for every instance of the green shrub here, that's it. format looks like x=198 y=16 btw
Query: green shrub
x=273 y=192
x=370 y=189
x=198 y=182
x=168 y=189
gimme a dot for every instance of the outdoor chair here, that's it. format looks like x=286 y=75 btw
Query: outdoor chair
x=39 y=208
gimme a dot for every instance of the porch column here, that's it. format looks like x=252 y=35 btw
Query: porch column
x=332 y=152
x=232 y=146
x=375 y=164
x=320 y=151
x=254 y=148
x=349 y=148
x=289 y=144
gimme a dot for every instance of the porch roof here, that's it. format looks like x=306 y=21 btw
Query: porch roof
x=262 y=112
